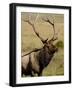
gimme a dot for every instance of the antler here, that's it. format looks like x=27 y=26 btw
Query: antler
x=29 y=22
x=53 y=38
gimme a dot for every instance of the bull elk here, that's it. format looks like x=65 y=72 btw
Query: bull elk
x=36 y=60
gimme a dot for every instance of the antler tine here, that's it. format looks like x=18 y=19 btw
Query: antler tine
x=53 y=38
x=35 y=30
x=48 y=21
x=28 y=22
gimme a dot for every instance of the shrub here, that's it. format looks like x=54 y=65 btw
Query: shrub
x=60 y=44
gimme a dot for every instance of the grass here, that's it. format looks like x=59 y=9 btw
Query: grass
x=29 y=41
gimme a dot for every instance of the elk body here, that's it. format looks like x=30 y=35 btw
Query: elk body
x=38 y=59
